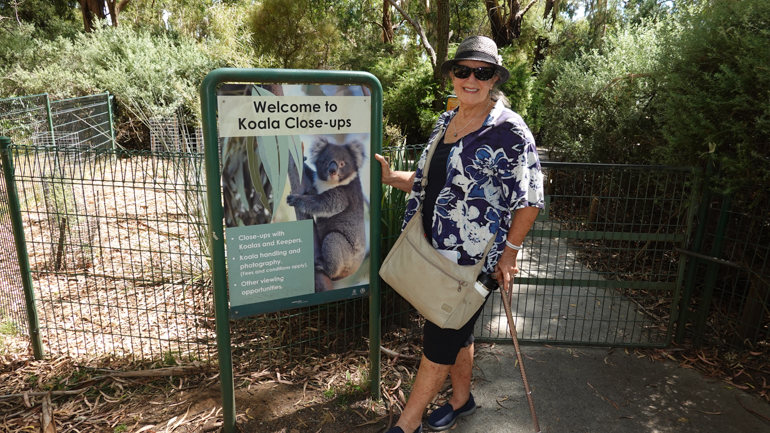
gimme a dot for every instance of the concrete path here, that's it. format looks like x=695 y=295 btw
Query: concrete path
x=581 y=389
x=571 y=313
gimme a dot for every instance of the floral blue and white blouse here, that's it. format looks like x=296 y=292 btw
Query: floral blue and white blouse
x=490 y=173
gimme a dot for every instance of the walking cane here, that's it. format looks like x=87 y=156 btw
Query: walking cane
x=512 y=326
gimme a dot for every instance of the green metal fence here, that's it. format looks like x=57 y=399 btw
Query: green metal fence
x=115 y=251
x=119 y=263
x=118 y=266
x=601 y=265
x=727 y=289
x=83 y=122
x=26 y=120
x=13 y=316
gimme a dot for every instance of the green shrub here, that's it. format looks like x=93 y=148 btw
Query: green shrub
x=715 y=100
x=159 y=74
x=408 y=89
x=518 y=89
x=597 y=108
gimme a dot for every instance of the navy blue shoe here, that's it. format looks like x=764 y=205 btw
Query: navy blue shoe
x=400 y=430
x=445 y=417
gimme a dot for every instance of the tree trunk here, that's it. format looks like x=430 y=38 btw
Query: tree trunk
x=387 y=24
x=92 y=9
x=442 y=39
x=442 y=51
x=505 y=19
x=551 y=9
x=113 y=12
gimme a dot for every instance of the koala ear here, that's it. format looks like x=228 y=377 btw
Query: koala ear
x=317 y=148
x=356 y=148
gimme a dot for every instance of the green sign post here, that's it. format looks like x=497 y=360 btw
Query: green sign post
x=306 y=139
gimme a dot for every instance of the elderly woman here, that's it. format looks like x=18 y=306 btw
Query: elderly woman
x=484 y=180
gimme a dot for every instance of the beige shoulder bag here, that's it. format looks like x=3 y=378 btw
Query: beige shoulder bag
x=441 y=290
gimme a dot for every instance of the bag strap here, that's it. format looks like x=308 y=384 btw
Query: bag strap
x=424 y=182
x=428 y=158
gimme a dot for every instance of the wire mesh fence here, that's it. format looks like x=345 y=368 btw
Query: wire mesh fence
x=117 y=250
x=173 y=135
x=398 y=316
x=25 y=119
x=13 y=315
x=730 y=286
x=82 y=122
x=119 y=262
x=600 y=265
x=118 y=255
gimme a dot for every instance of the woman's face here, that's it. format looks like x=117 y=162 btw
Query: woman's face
x=471 y=91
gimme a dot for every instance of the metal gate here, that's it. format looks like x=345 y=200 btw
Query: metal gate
x=600 y=265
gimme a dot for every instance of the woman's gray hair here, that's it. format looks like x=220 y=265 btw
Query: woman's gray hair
x=497 y=95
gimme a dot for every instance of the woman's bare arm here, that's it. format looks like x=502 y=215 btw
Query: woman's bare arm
x=402 y=180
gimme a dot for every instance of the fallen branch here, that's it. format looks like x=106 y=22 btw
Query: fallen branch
x=160 y=372
x=392 y=354
x=41 y=394
x=752 y=411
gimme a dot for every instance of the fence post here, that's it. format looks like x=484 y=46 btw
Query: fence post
x=695 y=262
x=711 y=273
x=50 y=119
x=21 y=248
x=112 y=125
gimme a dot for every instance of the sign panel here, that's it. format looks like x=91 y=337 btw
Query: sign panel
x=288 y=115
x=295 y=181
x=451 y=102
x=270 y=261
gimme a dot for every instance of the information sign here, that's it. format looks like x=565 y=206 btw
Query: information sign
x=293 y=197
x=295 y=179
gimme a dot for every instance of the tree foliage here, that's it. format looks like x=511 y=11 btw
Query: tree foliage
x=597 y=108
x=50 y=18
x=678 y=82
x=289 y=32
x=157 y=74
x=715 y=100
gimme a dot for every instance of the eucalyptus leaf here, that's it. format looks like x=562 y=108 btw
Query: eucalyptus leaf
x=256 y=177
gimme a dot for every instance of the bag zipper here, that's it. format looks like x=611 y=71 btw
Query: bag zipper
x=462 y=283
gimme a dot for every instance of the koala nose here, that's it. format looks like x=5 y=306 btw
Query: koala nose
x=333 y=168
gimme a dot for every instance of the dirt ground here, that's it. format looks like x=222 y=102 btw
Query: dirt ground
x=278 y=408
x=112 y=395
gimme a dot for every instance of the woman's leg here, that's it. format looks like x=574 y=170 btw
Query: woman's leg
x=461 y=373
x=428 y=382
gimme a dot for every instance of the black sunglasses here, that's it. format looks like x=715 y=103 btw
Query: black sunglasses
x=482 y=74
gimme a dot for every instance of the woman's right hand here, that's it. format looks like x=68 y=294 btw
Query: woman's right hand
x=387 y=175
x=398 y=179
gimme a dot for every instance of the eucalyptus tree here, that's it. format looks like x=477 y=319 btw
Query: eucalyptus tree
x=290 y=32
x=93 y=10
x=505 y=17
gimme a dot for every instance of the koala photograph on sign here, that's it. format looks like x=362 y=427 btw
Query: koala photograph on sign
x=295 y=183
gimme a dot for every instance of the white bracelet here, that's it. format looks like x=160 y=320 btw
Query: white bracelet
x=512 y=246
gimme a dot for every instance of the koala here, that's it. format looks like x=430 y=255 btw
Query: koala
x=336 y=203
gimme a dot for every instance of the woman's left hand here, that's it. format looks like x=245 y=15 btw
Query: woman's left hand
x=507 y=267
